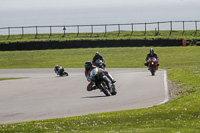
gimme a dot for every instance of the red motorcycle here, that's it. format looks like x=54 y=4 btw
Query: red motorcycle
x=152 y=65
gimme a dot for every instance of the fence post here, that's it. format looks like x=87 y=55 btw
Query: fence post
x=170 y=27
x=36 y=32
x=183 y=27
x=145 y=27
x=8 y=32
x=91 y=30
x=118 y=29
x=50 y=32
x=77 y=30
x=158 y=28
x=64 y=29
x=105 y=30
x=196 y=28
x=22 y=32
x=132 y=29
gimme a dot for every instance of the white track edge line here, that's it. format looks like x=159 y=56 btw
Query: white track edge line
x=166 y=88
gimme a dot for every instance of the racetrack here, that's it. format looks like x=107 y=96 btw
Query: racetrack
x=44 y=95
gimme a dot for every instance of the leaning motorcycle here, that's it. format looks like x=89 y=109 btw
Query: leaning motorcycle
x=102 y=82
x=152 y=65
x=99 y=63
x=62 y=72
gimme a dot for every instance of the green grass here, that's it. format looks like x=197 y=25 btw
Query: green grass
x=180 y=115
x=188 y=34
x=127 y=57
x=8 y=78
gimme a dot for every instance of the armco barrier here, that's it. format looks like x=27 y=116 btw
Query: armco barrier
x=41 y=45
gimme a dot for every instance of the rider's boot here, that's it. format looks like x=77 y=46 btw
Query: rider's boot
x=108 y=82
x=111 y=78
x=157 y=66
x=94 y=87
x=91 y=86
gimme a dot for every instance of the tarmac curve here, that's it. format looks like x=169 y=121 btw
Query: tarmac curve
x=44 y=95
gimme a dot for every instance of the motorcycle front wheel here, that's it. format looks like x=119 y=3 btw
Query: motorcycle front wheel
x=104 y=88
x=152 y=69
x=65 y=73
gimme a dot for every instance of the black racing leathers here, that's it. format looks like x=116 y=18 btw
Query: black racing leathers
x=96 y=57
x=151 y=55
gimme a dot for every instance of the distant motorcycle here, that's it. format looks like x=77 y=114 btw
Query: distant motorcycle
x=152 y=65
x=99 y=63
x=62 y=72
x=101 y=81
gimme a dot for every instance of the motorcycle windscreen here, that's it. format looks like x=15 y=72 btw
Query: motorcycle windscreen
x=96 y=74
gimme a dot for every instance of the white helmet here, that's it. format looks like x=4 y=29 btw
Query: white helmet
x=151 y=51
x=97 y=53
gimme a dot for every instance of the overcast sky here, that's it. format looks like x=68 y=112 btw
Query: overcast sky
x=47 y=4
x=71 y=12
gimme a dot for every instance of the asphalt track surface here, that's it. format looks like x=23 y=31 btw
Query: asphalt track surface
x=44 y=95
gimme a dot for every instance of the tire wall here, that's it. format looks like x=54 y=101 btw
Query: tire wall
x=41 y=45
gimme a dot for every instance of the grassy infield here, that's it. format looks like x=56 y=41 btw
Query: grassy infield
x=180 y=114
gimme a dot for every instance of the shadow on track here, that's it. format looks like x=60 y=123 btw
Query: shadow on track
x=94 y=96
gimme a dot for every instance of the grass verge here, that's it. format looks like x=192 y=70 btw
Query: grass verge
x=189 y=34
x=180 y=114
x=8 y=78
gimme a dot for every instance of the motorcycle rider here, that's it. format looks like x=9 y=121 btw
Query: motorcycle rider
x=151 y=54
x=98 y=56
x=57 y=68
x=88 y=68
